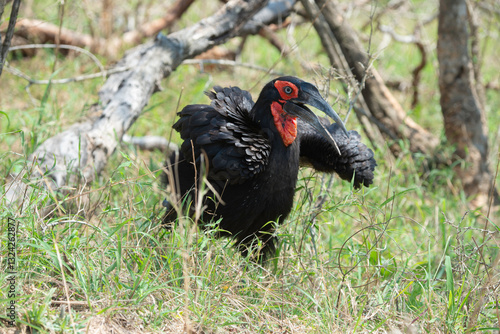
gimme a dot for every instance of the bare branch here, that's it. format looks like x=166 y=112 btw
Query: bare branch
x=4 y=46
x=408 y=39
x=411 y=39
x=151 y=143
x=417 y=71
x=44 y=31
x=154 y=27
x=106 y=73
x=227 y=62
x=61 y=46
x=102 y=74
x=346 y=51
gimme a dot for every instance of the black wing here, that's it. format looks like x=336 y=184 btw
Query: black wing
x=356 y=160
x=224 y=133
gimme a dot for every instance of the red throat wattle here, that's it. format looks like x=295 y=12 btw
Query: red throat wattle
x=286 y=124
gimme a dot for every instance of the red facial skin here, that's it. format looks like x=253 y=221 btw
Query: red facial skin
x=281 y=86
x=285 y=123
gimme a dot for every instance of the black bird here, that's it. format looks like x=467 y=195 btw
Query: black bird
x=249 y=154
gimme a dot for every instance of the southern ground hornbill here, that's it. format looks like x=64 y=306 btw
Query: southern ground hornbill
x=249 y=154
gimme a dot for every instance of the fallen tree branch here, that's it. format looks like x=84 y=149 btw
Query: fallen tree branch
x=82 y=151
x=152 y=28
x=44 y=32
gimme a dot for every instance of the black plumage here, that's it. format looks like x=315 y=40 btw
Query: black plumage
x=249 y=154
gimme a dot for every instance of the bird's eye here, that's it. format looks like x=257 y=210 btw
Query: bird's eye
x=288 y=90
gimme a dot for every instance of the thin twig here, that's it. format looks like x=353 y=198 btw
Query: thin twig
x=407 y=39
x=151 y=143
x=105 y=73
x=4 y=47
x=32 y=81
x=31 y=28
x=417 y=72
x=227 y=62
x=367 y=67
x=410 y=39
x=62 y=46
x=73 y=303
x=44 y=228
x=361 y=86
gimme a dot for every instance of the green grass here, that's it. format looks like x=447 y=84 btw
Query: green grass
x=380 y=258
x=406 y=254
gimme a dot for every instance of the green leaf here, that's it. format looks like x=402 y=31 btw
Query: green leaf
x=395 y=195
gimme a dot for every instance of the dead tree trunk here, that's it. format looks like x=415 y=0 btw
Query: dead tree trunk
x=82 y=151
x=464 y=121
x=377 y=105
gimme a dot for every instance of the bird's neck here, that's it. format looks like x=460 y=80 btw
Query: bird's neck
x=286 y=125
x=284 y=166
x=279 y=127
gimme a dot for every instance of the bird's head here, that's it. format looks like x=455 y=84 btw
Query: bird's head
x=288 y=97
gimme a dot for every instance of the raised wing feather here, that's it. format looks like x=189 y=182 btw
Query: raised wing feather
x=224 y=132
x=356 y=160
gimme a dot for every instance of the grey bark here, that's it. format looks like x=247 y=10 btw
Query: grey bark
x=464 y=121
x=82 y=151
x=151 y=143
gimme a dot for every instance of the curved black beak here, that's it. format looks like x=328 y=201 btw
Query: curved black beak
x=310 y=95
